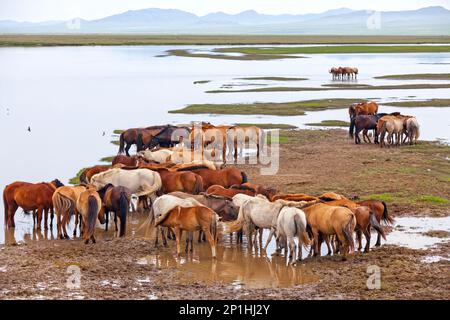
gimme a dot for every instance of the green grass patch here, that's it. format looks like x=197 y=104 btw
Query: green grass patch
x=433 y=199
x=273 y=78
x=423 y=103
x=437 y=234
x=330 y=123
x=186 y=53
x=277 y=140
x=269 y=108
x=202 y=81
x=267 y=125
x=118 y=131
x=381 y=196
x=76 y=180
x=107 y=159
x=417 y=76
x=115 y=142
x=336 y=49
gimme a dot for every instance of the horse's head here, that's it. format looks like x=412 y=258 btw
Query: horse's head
x=230 y=211
x=56 y=183
x=269 y=192
x=355 y=70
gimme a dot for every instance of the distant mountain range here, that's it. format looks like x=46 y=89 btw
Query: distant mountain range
x=425 y=21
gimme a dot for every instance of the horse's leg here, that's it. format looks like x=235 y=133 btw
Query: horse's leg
x=157 y=237
x=45 y=218
x=211 y=240
x=76 y=225
x=106 y=219
x=261 y=236
x=127 y=149
x=188 y=237
x=367 y=235
x=378 y=243
x=269 y=238
x=316 y=242
x=52 y=213
x=293 y=250
x=199 y=238
x=39 y=217
x=163 y=236
x=248 y=232
x=358 y=237
x=178 y=233
x=93 y=238
x=115 y=220
x=327 y=241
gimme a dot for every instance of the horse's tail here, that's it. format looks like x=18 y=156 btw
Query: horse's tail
x=139 y=142
x=386 y=218
x=300 y=230
x=198 y=187
x=348 y=231
x=236 y=225
x=213 y=227
x=5 y=205
x=92 y=214
x=124 y=204
x=352 y=127
x=122 y=142
x=376 y=225
x=244 y=177
x=83 y=177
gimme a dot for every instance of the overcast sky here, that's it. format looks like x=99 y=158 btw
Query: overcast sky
x=40 y=10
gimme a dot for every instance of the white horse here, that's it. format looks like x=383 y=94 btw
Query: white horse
x=141 y=182
x=412 y=130
x=159 y=156
x=291 y=222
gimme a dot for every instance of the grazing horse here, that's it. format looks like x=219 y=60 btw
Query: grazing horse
x=125 y=160
x=117 y=200
x=141 y=182
x=30 y=197
x=87 y=173
x=380 y=210
x=158 y=156
x=184 y=181
x=224 y=177
x=167 y=137
x=366 y=107
x=331 y=220
x=412 y=130
x=364 y=123
x=229 y=192
x=365 y=219
x=137 y=136
x=89 y=205
x=291 y=222
x=64 y=202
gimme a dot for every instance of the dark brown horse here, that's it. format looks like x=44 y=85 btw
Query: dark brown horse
x=167 y=137
x=30 y=197
x=130 y=137
x=224 y=177
x=126 y=160
x=117 y=200
x=87 y=174
x=364 y=123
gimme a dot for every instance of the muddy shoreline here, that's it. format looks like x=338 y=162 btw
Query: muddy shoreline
x=311 y=161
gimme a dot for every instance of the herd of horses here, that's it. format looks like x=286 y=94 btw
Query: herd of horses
x=394 y=127
x=181 y=192
x=342 y=73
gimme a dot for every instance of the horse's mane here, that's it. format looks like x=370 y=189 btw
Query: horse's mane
x=242 y=187
x=327 y=199
x=194 y=167
x=215 y=196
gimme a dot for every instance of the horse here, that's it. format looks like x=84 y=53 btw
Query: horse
x=349 y=72
x=291 y=222
x=30 y=197
x=330 y=196
x=366 y=107
x=196 y=218
x=89 y=205
x=268 y=192
x=137 y=136
x=224 y=177
x=331 y=220
x=293 y=197
x=141 y=182
x=165 y=137
x=335 y=72
x=229 y=192
x=184 y=181
x=393 y=126
x=365 y=219
x=412 y=130
x=125 y=160
x=364 y=123
x=158 y=156
x=239 y=136
x=117 y=200
x=64 y=202
x=380 y=210
x=87 y=173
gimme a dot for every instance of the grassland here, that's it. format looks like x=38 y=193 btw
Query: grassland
x=344 y=87
x=273 y=78
x=417 y=76
x=187 y=53
x=335 y=49
x=329 y=123
x=268 y=125
x=423 y=103
x=124 y=39
x=280 y=109
x=202 y=81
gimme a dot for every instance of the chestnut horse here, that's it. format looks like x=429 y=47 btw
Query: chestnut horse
x=89 y=205
x=197 y=218
x=87 y=174
x=137 y=136
x=184 y=181
x=380 y=210
x=30 y=197
x=117 y=200
x=229 y=192
x=367 y=107
x=224 y=177
x=125 y=160
x=294 y=197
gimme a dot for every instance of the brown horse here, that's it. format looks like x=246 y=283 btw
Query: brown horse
x=125 y=160
x=330 y=196
x=294 y=197
x=198 y=218
x=89 y=205
x=331 y=220
x=64 y=202
x=184 y=181
x=117 y=200
x=229 y=193
x=268 y=192
x=30 y=197
x=224 y=177
x=87 y=174
x=380 y=210
x=365 y=219
x=137 y=136
x=366 y=107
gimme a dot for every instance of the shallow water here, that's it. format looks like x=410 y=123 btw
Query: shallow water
x=74 y=97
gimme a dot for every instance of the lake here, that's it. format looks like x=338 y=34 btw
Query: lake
x=69 y=96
